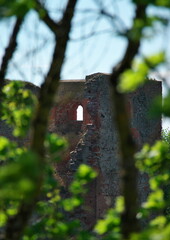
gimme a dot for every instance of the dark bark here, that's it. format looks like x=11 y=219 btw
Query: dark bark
x=10 y=49
x=129 y=222
x=128 y=172
x=17 y=224
x=9 y=52
x=44 y=15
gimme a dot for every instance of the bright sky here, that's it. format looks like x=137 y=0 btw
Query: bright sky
x=98 y=53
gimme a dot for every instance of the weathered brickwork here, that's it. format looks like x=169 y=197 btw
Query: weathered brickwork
x=94 y=140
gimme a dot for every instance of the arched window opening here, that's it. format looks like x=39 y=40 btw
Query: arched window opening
x=79 y=113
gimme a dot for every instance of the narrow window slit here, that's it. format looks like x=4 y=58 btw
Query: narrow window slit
x=79 y=113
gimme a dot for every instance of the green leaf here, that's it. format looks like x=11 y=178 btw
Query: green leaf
x=155 y=200
x=15 y=7
x=158 y=180
x=85 y=173
x=17 y=179
x=55 y=144
x=111 y=222
x=158 y=222
x=135 y=77
x=119 y=205
x=3 y=218
x=17 y=107
x=153 y=159
x=156 y=59
x=71 y=203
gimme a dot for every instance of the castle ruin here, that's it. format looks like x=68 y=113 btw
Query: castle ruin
x=93 y=136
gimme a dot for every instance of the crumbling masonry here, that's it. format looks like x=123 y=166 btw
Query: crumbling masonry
x=94 y=140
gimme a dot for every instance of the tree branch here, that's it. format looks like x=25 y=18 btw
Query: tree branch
x=9 y=51
x=44 y=15
x=114 y=18
x=129 y=221
x=17 y=224
x=132 y=47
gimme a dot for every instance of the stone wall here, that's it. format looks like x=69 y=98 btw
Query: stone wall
x=96 y=138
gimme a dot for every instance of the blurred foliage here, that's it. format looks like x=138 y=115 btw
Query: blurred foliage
x=154 y=158
x=135 y=77
x=52 y=219
x=17 y=107
x=19 y=8
x=20 y=168
x=110 y=225
x=159 y=3
x=55 y=145
x=161 y=106
x=166 y=136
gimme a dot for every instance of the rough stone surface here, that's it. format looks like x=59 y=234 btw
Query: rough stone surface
x=94 y=141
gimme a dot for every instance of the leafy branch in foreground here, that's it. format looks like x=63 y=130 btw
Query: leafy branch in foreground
x=27 y=178
x=16 y=224
x=20 y=170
